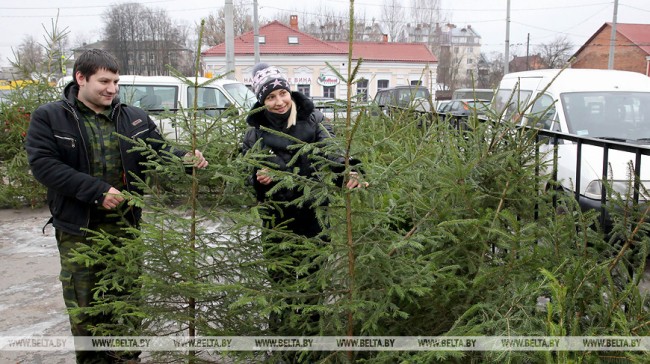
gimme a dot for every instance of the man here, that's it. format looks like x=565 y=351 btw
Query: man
x=74 y=149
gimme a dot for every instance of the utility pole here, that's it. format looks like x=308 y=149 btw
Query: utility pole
x=612 y=39
x=506 y=57
x=256 y=33
x=527 y=52
x=230 y=40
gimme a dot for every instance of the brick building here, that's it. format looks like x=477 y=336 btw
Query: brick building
x=526 y=63
x=632 y=52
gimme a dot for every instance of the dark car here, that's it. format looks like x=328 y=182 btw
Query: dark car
x=403 y=97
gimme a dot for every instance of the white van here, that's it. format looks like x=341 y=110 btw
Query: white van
x=603 y=104
x=158 y=93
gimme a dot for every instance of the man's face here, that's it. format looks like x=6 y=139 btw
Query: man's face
x=98 y=91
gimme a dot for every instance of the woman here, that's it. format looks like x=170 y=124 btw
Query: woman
x=293 y=115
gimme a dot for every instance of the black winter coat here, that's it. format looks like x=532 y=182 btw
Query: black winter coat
x=59 y=157
x=309 y=128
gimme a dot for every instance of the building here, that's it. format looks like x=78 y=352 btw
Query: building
x=457 y=49
x=632 y=49
x=526 y=63
x=304 y=59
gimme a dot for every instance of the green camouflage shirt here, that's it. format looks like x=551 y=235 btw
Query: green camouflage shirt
x=104 y=146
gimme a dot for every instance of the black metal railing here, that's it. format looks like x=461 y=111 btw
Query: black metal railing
x=554 y=140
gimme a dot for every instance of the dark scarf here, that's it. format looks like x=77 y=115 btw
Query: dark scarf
x=277 y=121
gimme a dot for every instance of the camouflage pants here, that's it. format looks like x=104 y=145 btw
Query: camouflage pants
x=79 y=282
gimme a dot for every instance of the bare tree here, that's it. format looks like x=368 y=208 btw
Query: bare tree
x=491 y=70
x=392 y=16
x=556 y=53
x=29 y=57
x=42 y=61
x=145 y=40
x=215 y=25
x=328 y=25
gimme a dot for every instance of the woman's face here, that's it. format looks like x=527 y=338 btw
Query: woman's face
x=278 y=101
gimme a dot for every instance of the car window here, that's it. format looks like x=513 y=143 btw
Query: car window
x=149 y=97
x=456 y=106
x=208 y=97
x=511 y=103
x=608 y=114
x=543 y=113
x=242 y=94
x=380 y=98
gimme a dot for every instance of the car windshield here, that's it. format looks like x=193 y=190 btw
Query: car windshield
x=413 y=93
x=242 y=95
x=619 y=115
x=510 y=102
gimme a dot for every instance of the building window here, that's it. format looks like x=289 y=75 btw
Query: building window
x=382 y=84
x=304 y=89
x=362 y=89
x=456 y=50
x=261 y=39
x=293 y=40
x=329 y=91
x=470 y=61
x=416 y=82
x=470 y=49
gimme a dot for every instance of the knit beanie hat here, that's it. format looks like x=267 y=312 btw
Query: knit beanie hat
x=267 y=79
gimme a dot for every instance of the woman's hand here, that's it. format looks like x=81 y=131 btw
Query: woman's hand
x=263 y=177
x=354 y=182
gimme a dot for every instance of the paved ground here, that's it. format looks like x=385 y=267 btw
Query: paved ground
x=30 y=291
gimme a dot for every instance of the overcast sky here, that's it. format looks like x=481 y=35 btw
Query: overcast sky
x=543 y=20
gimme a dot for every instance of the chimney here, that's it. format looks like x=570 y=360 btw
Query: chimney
x=384 y=38
x=293 y=22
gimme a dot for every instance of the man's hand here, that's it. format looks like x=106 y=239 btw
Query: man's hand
x=112 y=199
x=197 y=159
x=263 y=177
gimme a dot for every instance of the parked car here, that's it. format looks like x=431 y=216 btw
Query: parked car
x=473 y=93
x=441 y=105
x=602 y=104
x=403 y=97
x=158 y=93
x=333 y=109
x=465 y=107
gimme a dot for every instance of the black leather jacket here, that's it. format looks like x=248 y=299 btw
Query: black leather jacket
x=59 y=157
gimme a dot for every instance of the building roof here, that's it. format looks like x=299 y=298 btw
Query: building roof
x=638 y=34
x=277 y=36
x=523 y=63
x=277 y=42
x=389 y=51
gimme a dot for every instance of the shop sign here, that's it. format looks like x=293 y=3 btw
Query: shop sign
x=327 y=80
x=300 y=80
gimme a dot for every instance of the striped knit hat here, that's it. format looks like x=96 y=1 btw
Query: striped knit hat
x=267 y=79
